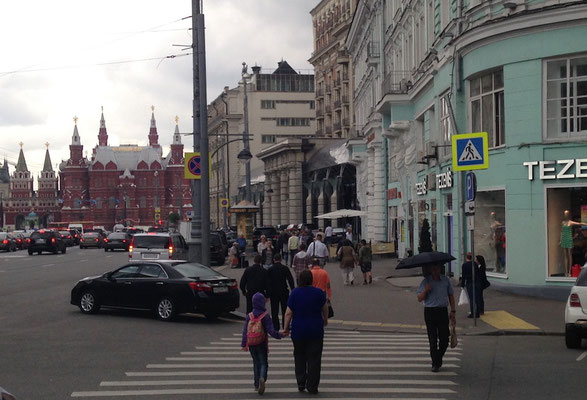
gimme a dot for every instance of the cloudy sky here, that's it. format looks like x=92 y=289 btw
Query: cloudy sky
x=67 y=58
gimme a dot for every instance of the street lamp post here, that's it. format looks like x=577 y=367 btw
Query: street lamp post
x=245 y=154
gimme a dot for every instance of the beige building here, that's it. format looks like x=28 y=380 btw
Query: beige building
x=334 y=82
x=281 y=106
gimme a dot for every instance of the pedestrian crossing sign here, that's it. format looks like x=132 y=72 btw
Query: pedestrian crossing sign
x=470 y=151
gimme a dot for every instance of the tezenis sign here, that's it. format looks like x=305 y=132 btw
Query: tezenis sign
x=559 y=169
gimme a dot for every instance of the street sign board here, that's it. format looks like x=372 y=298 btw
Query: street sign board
x=470 y=186
x=192 y=166
x=224 y=203
x=470 y=151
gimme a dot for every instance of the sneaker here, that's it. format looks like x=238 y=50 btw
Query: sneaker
x=261 y=389
x=301 y=388
x=435 y=368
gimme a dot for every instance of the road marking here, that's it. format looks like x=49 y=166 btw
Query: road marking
x=291 y=381
x=289 y=372
x=369 y=366
x=348 y=352
x=167 y=392
x=505 y=321
x=323 y=358
x=47 y=265
x=326 y=348
x=582 y=356
x=83 y=259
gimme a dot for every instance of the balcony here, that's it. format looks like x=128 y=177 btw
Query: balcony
x=345 y=99
x=319 y=132
x=342 y=57
x=328 y=89
x=319 y=114
x=337 y=82
x=337 y=104
x=345 y=76
x=328 y=130
x=345 y=122
x=319 y=93
x=328 y=110
x=373 y=53
x=397 y=82
x=337 y=127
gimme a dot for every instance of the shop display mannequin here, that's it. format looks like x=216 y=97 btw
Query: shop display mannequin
x=498 y=237
x=566 y=241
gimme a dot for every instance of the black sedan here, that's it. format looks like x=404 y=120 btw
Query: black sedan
x=166 y=287
x=117 y=240
x=67 y=238
x=7 y=242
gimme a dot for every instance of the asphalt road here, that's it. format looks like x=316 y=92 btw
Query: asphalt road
x=50 y=350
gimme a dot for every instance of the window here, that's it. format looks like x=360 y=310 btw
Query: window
x=151 y=271
x=312 y=104
x=566 y=236
x=293 y=121
x=490 y=229
x=129 y=271
x=445 y=124
x=566 y=98
x=268 y=138
x=487 y=107
x=267 y=104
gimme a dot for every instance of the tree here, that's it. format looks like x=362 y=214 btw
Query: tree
x=173 y=218
x=425 y=241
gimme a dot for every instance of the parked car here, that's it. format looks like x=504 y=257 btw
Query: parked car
x=117 y=240
x=217 y=254
x=166 y=287
x=224 y=241
x=576 y=312
x=157 y=246
x=269 y=232
x=90 y=239
x=67 y=238
x=7 y=242
x=21 y=240
x=46 y=240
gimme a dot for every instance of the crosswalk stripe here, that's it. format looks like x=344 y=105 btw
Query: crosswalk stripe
x=324 y=358
x=330 y=342
x=291 y=381
x=326 y=349
x=201 y=391
x=289 y=364
x=352 y=339
x=349 y=352
x=274 y=371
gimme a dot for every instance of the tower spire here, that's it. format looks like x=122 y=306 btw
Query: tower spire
x=153 y=135
x=102 y=134
x=75 y=140
x=47 y=165
x=176 y=134
x=21 y=164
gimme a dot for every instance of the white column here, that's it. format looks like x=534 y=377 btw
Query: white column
x=284 y=187
x=321 y=207
x=379 y=190
x=295 y=195
x=275 y=199
x=268 y=197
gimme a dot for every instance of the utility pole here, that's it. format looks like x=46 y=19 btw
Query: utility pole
x=200 y=232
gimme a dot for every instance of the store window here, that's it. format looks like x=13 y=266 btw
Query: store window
x=566 y=98
x=490 y=229
x=566 y=211
x=445 y=125
x=487 y=107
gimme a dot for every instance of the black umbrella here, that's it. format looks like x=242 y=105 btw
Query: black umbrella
x=424 y=259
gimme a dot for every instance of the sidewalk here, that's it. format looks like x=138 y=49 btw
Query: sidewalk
x=390 y=305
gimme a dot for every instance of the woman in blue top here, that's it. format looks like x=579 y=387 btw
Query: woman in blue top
x=307 y=313
x=437 y=293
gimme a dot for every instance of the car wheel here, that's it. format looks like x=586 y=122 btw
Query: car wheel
x=88 y=303
x=82 y=247
x=572 y=338
x=30 y=252
x=39 y=252
x=165 y=309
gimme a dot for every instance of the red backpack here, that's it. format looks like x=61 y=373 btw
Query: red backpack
x=255 y=332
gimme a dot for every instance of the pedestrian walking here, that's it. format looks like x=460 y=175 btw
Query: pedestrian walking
x=348 y=259
x=262 y=245
x=365 y=257
x=467 y=283
x=318 y=250
x=268 y=254
x=282 y=245
x=279 y=280
x=349 y=234
x=482 y=268
x=255 y=279
x=255 y=339
x=242 y=243
x=328 y=236
x=293 y=244
x=437 y=294
x=234 y=255
x=321 y=279
x=300 y=262
x=307 y=315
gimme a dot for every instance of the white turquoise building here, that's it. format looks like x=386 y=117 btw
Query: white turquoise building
x=427 y=70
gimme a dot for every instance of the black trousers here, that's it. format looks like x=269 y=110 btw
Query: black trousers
x=308 y=361
x=438 y=332
x=278 y=300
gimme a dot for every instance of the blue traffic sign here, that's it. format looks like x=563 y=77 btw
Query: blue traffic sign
x=470 y=151
x=470 y=186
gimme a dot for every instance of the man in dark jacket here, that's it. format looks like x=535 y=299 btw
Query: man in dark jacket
x=467 y=283
x=255 y=279
x=279 y=278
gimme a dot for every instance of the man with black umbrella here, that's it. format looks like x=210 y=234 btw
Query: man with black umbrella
x=437 y=293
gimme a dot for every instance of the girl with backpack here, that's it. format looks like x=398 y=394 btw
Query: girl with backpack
x=258 y=325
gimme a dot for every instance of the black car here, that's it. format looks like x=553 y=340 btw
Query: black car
x=46 y=240
x=67 y=238
x=117 y=240
x=166 y=287
x=75 y=235
x=269 y=232
x=217 y=253
x=224 y=240
x=7 y=242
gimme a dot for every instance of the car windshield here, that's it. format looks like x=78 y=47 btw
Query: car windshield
x=91 y=234
x=117 y=236
x=40 y=235
x=151 y=242
x=195 y=270
x=64 y=233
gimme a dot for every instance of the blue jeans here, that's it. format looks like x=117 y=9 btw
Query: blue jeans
x=260 y=362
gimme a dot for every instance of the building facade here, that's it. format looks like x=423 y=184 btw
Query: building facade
x=4 y=190
x=331 y=20
x=127 y=184
x=515 y=70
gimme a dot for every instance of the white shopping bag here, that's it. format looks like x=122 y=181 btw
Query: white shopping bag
x=463 y=298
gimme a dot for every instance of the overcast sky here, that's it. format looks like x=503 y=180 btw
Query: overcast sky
x=67 y=58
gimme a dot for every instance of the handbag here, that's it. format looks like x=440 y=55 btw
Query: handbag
x=486 y=284
x=454 y=341
x=463 y=298
x=330 y=310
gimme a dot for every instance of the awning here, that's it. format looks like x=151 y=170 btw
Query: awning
x=342 y=214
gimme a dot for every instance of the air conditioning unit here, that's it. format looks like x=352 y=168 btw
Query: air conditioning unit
x=430 y=149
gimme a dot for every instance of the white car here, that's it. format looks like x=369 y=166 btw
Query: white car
x=576 y=312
